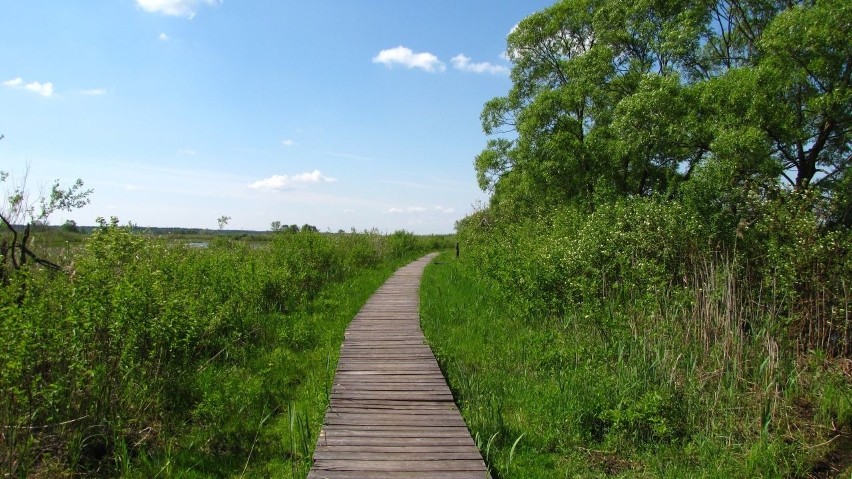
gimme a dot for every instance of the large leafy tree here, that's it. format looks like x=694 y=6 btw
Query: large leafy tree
x=629 y=98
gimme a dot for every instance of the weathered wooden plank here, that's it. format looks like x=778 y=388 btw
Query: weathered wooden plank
x=397 y=449
x=398 y=366
x=391 y=413
x=379 y=367
x=443 y=443
x=389 y=404
x=393 y=419
x=391 y=465
x=414 y=396
x=431 y=387
x=396 y=475
x=405 y=431
x=382 y=406
x=386 y=376
x=386 y=373
x=387 y=454
x=389 y=378
x=373 y=382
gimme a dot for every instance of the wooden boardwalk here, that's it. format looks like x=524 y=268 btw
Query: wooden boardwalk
x=391 y=413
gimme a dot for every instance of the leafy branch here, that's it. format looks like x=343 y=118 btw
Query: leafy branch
x=18 y=211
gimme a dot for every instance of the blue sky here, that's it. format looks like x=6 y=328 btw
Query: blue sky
x=339 y=114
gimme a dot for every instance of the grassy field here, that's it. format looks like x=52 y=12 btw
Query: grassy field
x=294 y=369
x=582 y=397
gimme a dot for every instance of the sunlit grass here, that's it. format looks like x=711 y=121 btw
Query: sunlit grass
x=561 y=397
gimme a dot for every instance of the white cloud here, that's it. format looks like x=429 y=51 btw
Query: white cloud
x=407 y=58
x=421 y=209
x=43 y=89
x=175 y=8
x=313 y=177
x=14 y=82
x=94 y=92
x=187 y=152
x=163 y=37
x=285 y=182
x=288 y=142
x=461 y=62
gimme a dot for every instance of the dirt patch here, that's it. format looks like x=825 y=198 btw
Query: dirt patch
x=838 y=461
x=610 y=463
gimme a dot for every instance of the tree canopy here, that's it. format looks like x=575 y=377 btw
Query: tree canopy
x=631 y=98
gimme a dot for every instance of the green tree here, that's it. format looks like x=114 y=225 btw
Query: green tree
x=629 y=98
x=806 y=62
x=70 y=226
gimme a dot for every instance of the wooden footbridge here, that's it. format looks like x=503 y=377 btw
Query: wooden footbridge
x=391 y=413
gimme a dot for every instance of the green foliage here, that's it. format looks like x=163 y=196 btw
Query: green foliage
x=687 y=381
x=401 y=243
x=668 y=335
x=148 y=356
x=653 y=417
x=70 y=226
x=629 y=99
x=667 y=239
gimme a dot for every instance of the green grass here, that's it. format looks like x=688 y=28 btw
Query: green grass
x=296 y=371
x=548 y=397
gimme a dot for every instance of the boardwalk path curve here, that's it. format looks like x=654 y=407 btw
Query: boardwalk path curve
x=391 y=413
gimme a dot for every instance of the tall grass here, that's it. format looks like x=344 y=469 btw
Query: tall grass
x=622 y=344
x=150 y=359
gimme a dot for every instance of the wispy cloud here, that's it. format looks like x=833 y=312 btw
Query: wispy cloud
x=288 y=142
x=407 y=58
x=43 y=89
x=285 y=182
x=421 y=209
x=94 y=92
x=410 y=209
x=187 y=152
x=163 y=37
x=175 y=8
x=462 y=62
